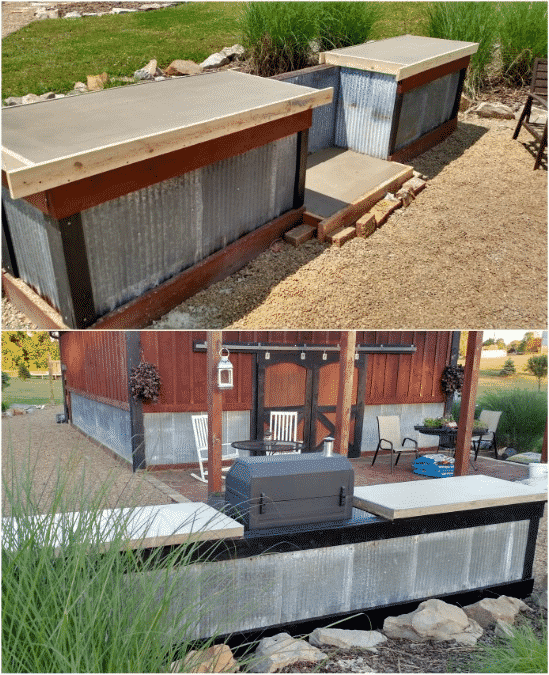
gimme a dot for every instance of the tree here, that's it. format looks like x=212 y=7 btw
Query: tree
x=23 y=372
x=508 y=368
x=537 y=365
x=528 y=344
x=500 y=342
x=488 y=342
x=30 y=348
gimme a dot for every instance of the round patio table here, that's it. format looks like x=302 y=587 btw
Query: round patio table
x=450 y=433
x=260 y=448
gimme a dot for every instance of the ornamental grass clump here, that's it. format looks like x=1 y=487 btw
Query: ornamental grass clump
x=469 y=22
x=72 y=603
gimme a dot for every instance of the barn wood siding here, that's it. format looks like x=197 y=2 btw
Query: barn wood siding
x=96 y=365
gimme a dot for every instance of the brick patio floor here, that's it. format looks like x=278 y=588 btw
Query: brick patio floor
x=181 y=480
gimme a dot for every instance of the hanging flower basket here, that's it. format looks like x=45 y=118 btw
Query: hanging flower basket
x=452 y=379
x=145 y=382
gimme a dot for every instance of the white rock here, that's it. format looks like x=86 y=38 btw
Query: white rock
x=215 y=61
x=73 y=15
x=14 y=100
x=282 y=650
x=30 y=98
x=489 y=610
x=80 y=86
x=147 y=8
x=142 y=74
x=233 y=52
x=48 y=96
x=346 y=639
x=498 y=110
x=47 y=14
x=122 y=10
x=434 y=620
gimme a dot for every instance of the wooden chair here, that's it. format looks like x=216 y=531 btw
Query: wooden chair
x=538 y=94
x=491 y=419
x=389 y=433
x=200 y=428
x=284 y=426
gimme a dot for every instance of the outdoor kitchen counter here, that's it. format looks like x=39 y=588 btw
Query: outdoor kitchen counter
x=445 y=495
x=52 y=143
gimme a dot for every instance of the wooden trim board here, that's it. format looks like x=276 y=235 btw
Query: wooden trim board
x=65 y=200
x=442 y=495
x=427 y=76
x=351 y=213
x=31 y=304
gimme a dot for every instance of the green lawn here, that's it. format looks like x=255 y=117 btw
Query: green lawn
x=33 y=392
x=53 y=54
x=489 y=379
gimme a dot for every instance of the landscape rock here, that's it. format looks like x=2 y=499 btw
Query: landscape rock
x=47 y=96
x=147 y=8
x=503 y=629
x=215 y=659
x=142 y=75
x=498 y=110
x=282 y=650
x=122 y=10
x=47 y=14
x=80 y=86
x=30 y=98
x=346 y=639
x=97 y=82
x=182 y=67
x=215 y=61
x=14 y=100
x=434 y=620
x=236 y=51
x=489 y=610
x=73 y=15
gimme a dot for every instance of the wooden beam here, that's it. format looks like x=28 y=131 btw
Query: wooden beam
x=544 y=446
x=468 y=399
x=214 y=344
x=345 y=392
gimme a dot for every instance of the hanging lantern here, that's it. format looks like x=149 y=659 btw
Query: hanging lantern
x=224 y=371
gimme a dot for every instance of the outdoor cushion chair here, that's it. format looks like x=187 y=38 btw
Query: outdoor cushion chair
x=200 y=428
x=283 y=425
x=538 y=96
x=488 y=440
x=390 y=438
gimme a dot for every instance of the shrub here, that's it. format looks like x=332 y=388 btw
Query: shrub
x=523 y=37
x=470 y=22
x=23 y=372
x=5 y=380
x=525 y=652
x=523 y=419
x=537 y=365
x=508 y=368
x=343 y=24
x=72 y=604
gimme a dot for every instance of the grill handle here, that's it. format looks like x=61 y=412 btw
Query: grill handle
x=262 y=497
x=342 y=495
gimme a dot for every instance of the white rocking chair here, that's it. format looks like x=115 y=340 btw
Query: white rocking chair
x=200 y=428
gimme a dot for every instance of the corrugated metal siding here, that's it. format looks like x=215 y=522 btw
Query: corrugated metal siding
x=107 y=424
x=322 y=130
x=96 y=363
x=138 y=240
x=268 y=590
x=365 y=111
x=426 y=108
x=169 y=437
x=32 y=249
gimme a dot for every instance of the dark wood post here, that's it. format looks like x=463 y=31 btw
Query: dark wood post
x=345 y=391
x=214 y=344
x=137 y=425
x=468 y=398
x=544 y=446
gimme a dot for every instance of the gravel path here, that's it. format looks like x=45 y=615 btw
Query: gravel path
x=36 y=441
x=471 y=251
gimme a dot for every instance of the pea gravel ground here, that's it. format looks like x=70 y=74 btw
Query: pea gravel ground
x=470 y=252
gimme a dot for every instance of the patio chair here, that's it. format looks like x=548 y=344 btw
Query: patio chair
x=489 y=440
x=200 y=428
x=283 y=426
x=389 y=434
x=538 y=94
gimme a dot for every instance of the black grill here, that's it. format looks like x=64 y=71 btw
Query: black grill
x=289 y=490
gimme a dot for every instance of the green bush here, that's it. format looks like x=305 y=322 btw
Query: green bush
x=5 y=380
x=525 y=652
x=278 y=35
x=523 y=37
x=72 y=604
x=23 y=372
x=470 y=22
x=537 y=365
x=523 y=419
x=508 y=368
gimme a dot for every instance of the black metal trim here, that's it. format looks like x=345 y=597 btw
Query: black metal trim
x=454 y=356
x=258 y=347
x=457 y=101
x=9 y=260
x=395 y=124
x=301 y=168
x=72 y=274
x=137 y=426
